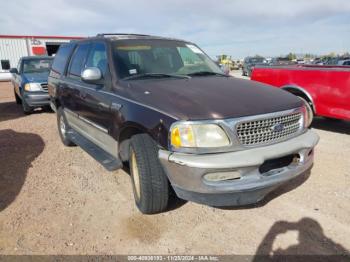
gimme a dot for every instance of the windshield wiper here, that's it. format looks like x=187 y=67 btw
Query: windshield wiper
x=155 y=75
x=206 y=73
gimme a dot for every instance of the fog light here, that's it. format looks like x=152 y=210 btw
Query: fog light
x=221 y=176
x=296 y=159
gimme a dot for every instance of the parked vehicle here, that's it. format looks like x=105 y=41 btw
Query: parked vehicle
x=227 y=62
x=165 y=109
x=332 y=60
x=301 y=61
x=29 y=80
x=249 y=64
x=344 y=62
x=325 y=88
x=224 y=68
x=281 y=61
x=5 y=75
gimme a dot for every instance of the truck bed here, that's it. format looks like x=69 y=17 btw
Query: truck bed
x=327 y=87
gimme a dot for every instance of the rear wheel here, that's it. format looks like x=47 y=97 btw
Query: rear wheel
x=150 y=183
x=63 y=128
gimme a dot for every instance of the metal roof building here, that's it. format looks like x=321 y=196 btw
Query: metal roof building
x=13 y=47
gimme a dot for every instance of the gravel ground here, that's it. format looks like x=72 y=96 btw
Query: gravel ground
x=58 y=200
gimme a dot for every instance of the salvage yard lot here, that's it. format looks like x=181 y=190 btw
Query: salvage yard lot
x=58 y=200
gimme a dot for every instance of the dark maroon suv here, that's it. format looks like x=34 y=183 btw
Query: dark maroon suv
x=162 y=107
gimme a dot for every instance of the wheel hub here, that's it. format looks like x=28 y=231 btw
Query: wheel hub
x=135 y=175
x=62 y=127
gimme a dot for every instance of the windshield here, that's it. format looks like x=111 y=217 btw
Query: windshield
x=36 y=65
x=162 y=57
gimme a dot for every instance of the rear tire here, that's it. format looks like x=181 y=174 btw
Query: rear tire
x=150 y=183
x=63 y=128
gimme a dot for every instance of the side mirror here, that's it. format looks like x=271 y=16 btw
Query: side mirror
x=91 y=75
x=14 y=71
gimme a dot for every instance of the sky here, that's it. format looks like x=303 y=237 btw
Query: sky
x=238 y=27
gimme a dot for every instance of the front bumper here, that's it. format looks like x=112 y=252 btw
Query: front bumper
x=37 y=99
x=186 y=171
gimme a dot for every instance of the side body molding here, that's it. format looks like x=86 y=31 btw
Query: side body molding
x=92 y=132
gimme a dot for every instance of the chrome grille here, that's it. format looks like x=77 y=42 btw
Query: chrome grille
x=269 y=130
x=44 y=87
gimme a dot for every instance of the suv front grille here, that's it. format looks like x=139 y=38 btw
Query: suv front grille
x=269 y=130
x=44 y=87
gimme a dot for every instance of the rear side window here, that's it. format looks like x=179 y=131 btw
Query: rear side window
x=61 y=58
x=78 y=60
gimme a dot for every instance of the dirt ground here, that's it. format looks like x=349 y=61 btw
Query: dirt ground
x=58 y=200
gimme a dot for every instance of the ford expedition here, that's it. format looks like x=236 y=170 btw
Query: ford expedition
x=164 y=109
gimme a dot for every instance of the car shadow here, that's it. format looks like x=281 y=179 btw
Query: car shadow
x=283 y=189
x=17 y=152
x=311 y=242
x=332 y=125
x=174 y=201
x=11 y=110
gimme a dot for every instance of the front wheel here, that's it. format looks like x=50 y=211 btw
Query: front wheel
x=150 y=183
x=27 y=109
x=18 y=100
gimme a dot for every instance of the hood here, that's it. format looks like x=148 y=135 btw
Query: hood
x=210 y=97
x=35 y=77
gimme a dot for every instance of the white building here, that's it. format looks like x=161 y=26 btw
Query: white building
x=13 y=47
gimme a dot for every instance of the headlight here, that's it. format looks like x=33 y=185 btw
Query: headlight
x=32 y=87
x=198 y=135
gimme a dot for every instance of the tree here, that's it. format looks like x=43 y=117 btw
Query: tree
x=291 y=56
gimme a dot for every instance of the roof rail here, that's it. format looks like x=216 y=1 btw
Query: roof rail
x=117 y=34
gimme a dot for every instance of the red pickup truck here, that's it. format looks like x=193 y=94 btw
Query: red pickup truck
x=325 y=88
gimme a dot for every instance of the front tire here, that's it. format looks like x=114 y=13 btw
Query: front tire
x=150 y=183
x=18 y=99
x=63 y=128
x=26 y=108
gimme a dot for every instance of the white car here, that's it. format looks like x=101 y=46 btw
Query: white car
x=5 y=75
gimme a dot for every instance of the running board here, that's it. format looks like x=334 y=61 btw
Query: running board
x=105 y=159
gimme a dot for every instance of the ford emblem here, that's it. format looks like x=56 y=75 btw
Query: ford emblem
x=277 y=127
